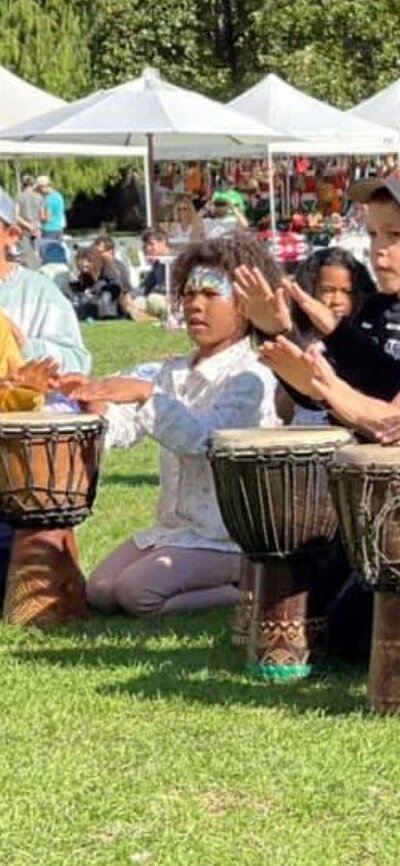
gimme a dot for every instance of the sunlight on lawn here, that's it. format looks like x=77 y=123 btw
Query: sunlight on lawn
x=142 y=742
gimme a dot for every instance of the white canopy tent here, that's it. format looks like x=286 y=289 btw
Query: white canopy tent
x=20 y=101
x=152 y=113
x=10 y=149
x=317 y=127
x=383 y=108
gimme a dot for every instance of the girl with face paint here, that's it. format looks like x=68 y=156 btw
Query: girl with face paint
x=186 y=560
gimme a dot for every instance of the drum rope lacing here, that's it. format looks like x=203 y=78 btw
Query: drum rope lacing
x=378 y=569
x=364 y=528
x=286 y=540
x=50 y=504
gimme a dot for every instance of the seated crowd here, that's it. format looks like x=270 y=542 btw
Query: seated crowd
x=334 y=350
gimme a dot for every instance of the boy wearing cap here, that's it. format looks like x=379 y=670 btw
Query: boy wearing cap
x=53 y=221
x=365 y=351
x=42 y=319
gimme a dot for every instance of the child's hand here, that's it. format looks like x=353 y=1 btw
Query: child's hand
x=41 y=376
x=290 y=364
x=70 y=381
x=267 y=309
x=321 y=316
x=112 y=389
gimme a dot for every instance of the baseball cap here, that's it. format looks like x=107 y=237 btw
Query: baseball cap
x=362 y=190
x=43 y=180
x=7 y=208
x=221 y=198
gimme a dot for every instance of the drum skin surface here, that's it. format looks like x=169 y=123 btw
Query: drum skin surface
x=49 y=465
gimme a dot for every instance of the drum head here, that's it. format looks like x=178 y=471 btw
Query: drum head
x=42 y=421
x=369 y=455
x=285 y=438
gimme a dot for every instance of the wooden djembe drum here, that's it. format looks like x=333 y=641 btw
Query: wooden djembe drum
x=365 y=483
x=272 y=488
x=49 y=465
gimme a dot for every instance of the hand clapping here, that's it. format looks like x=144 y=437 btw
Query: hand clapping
x=266 y=308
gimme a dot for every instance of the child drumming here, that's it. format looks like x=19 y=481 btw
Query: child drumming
x=187 y=561
x=365 y=350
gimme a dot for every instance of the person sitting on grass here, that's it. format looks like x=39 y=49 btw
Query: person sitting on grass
x=93 y=294
x=151 y=297
x=186 y=561
x=113 y=269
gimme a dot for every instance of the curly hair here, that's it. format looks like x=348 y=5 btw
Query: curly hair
x=307 y=277
x=227 y=254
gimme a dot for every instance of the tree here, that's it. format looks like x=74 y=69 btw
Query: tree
x=44 y=42
x=193 y=43
x=341 y=51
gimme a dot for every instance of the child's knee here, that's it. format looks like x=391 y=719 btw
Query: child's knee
x=100 y=594
x=136 y=597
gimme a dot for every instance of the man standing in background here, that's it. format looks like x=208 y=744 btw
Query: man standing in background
x=53 y=218
x=29 y=209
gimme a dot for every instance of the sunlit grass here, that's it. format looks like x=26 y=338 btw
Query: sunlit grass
x=142 y=742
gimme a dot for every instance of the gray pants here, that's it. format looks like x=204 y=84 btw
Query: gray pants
x=163 y=580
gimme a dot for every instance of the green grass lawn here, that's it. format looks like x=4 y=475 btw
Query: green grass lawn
x=143 y=742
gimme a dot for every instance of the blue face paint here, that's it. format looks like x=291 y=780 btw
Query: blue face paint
x=203 y=279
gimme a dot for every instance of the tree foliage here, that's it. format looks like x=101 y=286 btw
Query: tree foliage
x=341 y=51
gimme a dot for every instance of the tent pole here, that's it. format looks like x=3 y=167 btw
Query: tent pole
x=149 y=180
x=272 y=210
x=17 y=172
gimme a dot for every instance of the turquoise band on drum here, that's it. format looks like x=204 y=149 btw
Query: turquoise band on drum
x=279 y=672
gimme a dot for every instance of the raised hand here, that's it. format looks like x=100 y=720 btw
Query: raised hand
x=267 y=309
x=290 y=364
x=321 y=316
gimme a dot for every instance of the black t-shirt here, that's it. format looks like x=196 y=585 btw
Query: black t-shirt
x=366 y=350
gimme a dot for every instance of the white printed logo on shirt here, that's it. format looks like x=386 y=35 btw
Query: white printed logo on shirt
x=392 y=347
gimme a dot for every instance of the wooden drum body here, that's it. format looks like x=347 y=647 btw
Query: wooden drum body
x=272 y=488
x=365 y=483
x=49 y=466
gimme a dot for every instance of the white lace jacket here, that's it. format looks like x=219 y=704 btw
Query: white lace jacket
x=231 y=389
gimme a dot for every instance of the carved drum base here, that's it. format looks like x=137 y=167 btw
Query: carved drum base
x=44 y=584
x=288 y=633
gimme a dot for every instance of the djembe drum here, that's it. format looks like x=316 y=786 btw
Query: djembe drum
x=272 y=488
x=365 y=483
x=49 y=466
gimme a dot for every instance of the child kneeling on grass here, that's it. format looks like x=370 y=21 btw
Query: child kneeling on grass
x=187 y=561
